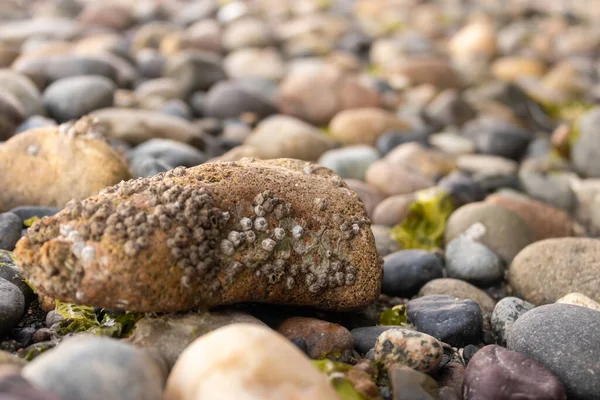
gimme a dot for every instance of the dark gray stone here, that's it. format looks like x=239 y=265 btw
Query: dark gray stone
x=26 y=212
x=35 y=121
x=473 y=262
x=498 y=137
x=177 y=108
x=390 y=140
x=585 y=152
x=144 y=166
x=366 y=337
x=496 y=373
x=506 y=312
x=10 y=272
x=408 y=384
x=194 y=70
x=73 y=97
x=53 y=68
x=565 y=339
x=406 y=271
x=448 y=319
x=230 y=100
x=10 y=230
x=463 y=189
x=12 y=305
x=171 y=152
x=88 y=367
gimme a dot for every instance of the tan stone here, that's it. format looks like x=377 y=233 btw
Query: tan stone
x=364 y=125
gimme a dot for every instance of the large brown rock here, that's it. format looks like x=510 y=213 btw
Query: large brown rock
x=277 y=231
x=50 y=166
x=545 y=271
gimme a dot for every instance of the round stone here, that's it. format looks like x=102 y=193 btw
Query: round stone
x=459 y=289
x=402 y=346
x=406 y=271
x=12 y=305
x=318 y=339
x=473 y=262
x=506 y=312
x=10 y=230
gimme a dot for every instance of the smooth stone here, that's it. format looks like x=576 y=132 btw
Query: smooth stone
x=497 y=373
x=448 y=319
x=233 y=361
x=474 y=40
x=497 y=137
x=403 y=346
x=169 y=335
x=367 y=194
x=46 y=161
x=546 y=270
x=428 y=162
x=264 y=63
x=585 y=151
x=247 y=32
x=543 y=220
x=427 y=70
x=452 y=143
x=363 y=125
x=11 y=273
x=171 y=152
x=177 y=108
x=194 y=70
x=318 y=339
x=498 y=228
x=565 y=339
x=487 y=165
x=396 y=179
x=586 y=205
x=450 y=379
x=506 y=312
x=163 y=88
x=511 y=68
x=137 y=126
x=7 y=358
x=12 y=305
x=393 y=210
x=384 y=241
x=14 y=387
x=228 y=99
x=285 y=136
x=408 y=384
x=11 y=115
x=463 y=190
x=73 y=97
x=289 y=192
x=459 y=289
x=10 y=230
x=27 y=212
x=449 y=108
x=406 y=271
x=350 y=162
x=24 y=90
x=106 y=368
x=579 y=299
x=365 y=337
x=473 y=262
x=33 y=122
x=150 y=63
x=47 y=27
x=390 y=140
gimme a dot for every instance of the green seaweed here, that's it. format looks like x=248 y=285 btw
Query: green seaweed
x=335 y=372
x=423 y=227
x=30 y=221
x=78 y=318
x=566 y=111
x=393 y=316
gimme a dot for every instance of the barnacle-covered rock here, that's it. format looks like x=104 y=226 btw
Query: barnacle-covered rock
x=51 y=165
x=278 y=231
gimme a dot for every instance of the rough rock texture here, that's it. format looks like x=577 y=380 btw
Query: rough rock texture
x=278 y=231
x=52 y=165
x=403 y=346
x=545 y=271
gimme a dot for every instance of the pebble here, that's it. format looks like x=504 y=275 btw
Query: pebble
x=10 y=230
x=350 y=162
x=218 y=363
x=546 y=270
x=579 y=299
x=167 y=336
x=142 y=167
x=53 y=68
x=12 y=305
x=393 y=210
x=393 y=179
x=406 y=271
x=106 y=368
x=554 y=189
x=41 y=166
x=448 y=319
x=510 y=68
x=365 y=337
x=194 y=70
x=487 y=165
x=497 y=137
x=11 y=115
x=318 y=339
x=33 y=122
x=363 y=125
x=73 y=97
x=251 y=63
x=367 y=194
x=27 y=212
x=283 y=136
x=390 y=140
x=459 y=289
x=463 y=190
x=406 y=347
x=506 y=312
x=246 y=32
x=452 y=143
x=566 y=340
x=22 y=88
x=473 y=262
x=408 y=384
x=171 y=152
x=498 y=228
x=177 y=108
x=543 y=220
x=383 y=240
x=498 y=373
x=229 y=99
x=14 y=387
x=585 y=149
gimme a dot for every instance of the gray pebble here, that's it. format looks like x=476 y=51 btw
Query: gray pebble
x=473 y=262
x=506 y=312
x=10 y=230
x=12 y=305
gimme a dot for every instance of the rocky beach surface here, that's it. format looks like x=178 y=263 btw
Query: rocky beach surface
x=329 y=200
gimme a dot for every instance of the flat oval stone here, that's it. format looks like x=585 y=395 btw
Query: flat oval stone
x=453 y=321
x=546 y=270
x=565 y=339
x=459 y=289
x=497 y=373
x=473 y=262
x=402 y=346
x=406 y=271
